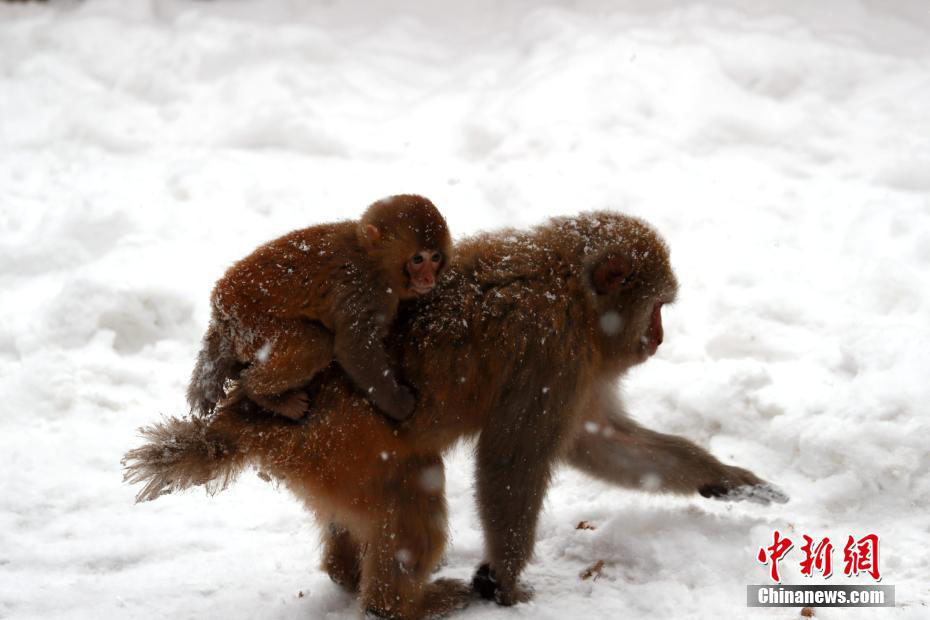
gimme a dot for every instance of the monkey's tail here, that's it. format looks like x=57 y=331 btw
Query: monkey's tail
x=181 y=453
x=215 y=363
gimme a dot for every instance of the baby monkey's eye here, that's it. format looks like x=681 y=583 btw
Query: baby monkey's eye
x=417 y=259
x=437 y=257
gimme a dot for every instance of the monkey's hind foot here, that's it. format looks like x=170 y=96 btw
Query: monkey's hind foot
x=292 y=405
x=487 y=585
x=233 y=395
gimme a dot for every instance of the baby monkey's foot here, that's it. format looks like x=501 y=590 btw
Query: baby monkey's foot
x=292 y=405
x=234 y=393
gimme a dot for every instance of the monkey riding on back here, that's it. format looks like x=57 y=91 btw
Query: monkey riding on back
x=324 y=293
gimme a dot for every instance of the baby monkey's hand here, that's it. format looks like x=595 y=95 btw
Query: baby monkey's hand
x=399 y=404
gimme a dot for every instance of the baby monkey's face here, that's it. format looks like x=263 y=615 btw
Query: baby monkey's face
x=422 y=270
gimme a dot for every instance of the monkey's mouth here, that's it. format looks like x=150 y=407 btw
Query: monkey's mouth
x=649 y=347
x=421 y=289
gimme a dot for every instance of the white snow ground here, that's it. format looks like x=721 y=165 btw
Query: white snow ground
x=783 y=148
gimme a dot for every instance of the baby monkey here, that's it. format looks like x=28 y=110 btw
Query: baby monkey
x=288 y=309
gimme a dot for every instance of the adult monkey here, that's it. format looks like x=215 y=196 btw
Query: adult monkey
x=521 y=347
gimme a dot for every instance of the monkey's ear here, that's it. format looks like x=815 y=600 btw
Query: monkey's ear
x=372 y=234
x=611 y=273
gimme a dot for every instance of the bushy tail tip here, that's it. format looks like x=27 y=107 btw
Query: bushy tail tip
x=181 y=453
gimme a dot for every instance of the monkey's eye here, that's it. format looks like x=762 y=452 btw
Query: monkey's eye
x=417 y=259
x=437 y=257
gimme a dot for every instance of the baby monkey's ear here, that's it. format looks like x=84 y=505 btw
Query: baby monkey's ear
x=370 y=235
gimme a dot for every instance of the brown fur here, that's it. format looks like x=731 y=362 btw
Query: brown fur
x=514 y=349
x=283 y=313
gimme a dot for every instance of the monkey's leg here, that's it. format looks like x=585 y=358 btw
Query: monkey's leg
x=342 y=557
x=359 y=349
x=284 y=356
x=614 y=448
x=407 y=544
x=513 y=466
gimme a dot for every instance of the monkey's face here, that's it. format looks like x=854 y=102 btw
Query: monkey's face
x=631 y=286
x=408 y=240
x=422 y=270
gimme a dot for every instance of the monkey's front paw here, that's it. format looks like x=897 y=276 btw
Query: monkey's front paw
x=764 y=493
x=739 y=485
x=486 y=584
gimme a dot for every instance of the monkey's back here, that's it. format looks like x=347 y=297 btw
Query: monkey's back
x=507 y=328
x=296 y=275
